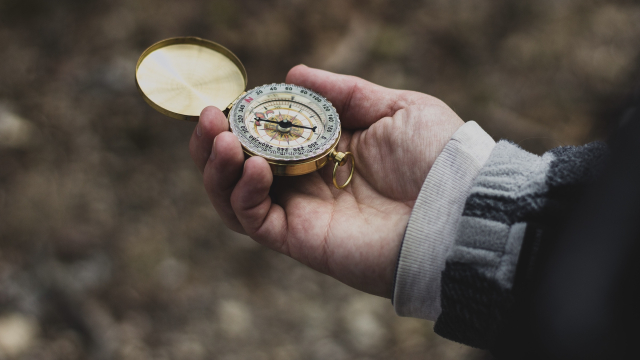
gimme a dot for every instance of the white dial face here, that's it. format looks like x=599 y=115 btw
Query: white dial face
x=285 y=122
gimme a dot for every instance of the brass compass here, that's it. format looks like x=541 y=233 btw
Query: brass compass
x=295 y=129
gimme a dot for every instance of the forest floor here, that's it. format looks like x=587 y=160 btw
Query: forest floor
x=109 y=248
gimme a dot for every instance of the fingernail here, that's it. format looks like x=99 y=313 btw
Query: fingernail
x=199 y=130
x=213 y=150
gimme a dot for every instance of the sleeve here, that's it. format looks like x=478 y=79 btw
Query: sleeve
x=511 y=198
x=431 y=230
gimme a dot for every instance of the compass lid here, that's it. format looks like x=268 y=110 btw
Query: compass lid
x=181 y=76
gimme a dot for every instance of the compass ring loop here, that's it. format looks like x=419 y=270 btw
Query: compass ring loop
x=340 y=160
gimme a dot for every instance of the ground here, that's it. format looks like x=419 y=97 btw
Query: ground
x=109 y=248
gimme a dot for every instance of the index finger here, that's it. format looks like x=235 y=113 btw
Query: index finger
x=360 y=103
x=211 y=123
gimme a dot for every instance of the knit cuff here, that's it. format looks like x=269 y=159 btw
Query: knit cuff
x=477 y=282
x=434 y=220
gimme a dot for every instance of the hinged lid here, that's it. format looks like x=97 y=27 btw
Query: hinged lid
x=181 y=76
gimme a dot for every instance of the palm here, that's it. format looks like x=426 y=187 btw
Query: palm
x=348 y=232
x=353 y=234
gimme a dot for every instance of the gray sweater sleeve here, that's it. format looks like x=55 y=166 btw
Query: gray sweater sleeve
x=512 y=189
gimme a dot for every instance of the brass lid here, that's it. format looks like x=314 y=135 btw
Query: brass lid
x=181 y=76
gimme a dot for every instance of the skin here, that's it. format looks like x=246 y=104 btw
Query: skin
x=353 y=235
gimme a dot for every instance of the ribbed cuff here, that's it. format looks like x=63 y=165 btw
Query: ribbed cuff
x=434 y=220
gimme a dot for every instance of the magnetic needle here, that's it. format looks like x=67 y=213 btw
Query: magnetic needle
x=295 y=129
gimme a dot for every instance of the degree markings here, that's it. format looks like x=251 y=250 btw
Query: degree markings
x=275 y=99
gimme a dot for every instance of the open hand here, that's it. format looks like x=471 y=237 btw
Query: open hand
x=353 y=235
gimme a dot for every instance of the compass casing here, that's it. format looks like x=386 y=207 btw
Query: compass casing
x=302 y=167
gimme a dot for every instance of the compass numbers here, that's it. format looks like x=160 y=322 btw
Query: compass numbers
x=285 y=122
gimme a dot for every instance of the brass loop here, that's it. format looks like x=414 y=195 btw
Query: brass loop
x=341 y=159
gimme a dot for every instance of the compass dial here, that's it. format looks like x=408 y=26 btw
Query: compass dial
x=285 y=122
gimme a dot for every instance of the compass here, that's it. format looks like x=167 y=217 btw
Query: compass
x=294 y=128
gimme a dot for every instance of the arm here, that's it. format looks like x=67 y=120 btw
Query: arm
x=418 y=164
x=515 y=197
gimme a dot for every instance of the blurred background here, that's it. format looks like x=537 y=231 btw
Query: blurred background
x=109 y=248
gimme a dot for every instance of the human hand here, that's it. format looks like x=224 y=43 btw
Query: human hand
x=354 y=234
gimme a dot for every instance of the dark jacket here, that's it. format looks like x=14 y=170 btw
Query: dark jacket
x=545 y=261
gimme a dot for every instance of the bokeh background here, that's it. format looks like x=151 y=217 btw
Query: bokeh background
x=109 y=248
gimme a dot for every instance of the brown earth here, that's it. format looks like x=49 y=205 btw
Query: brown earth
x=109 y=248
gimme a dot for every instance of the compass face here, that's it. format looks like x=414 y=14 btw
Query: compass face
x=285 y=122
